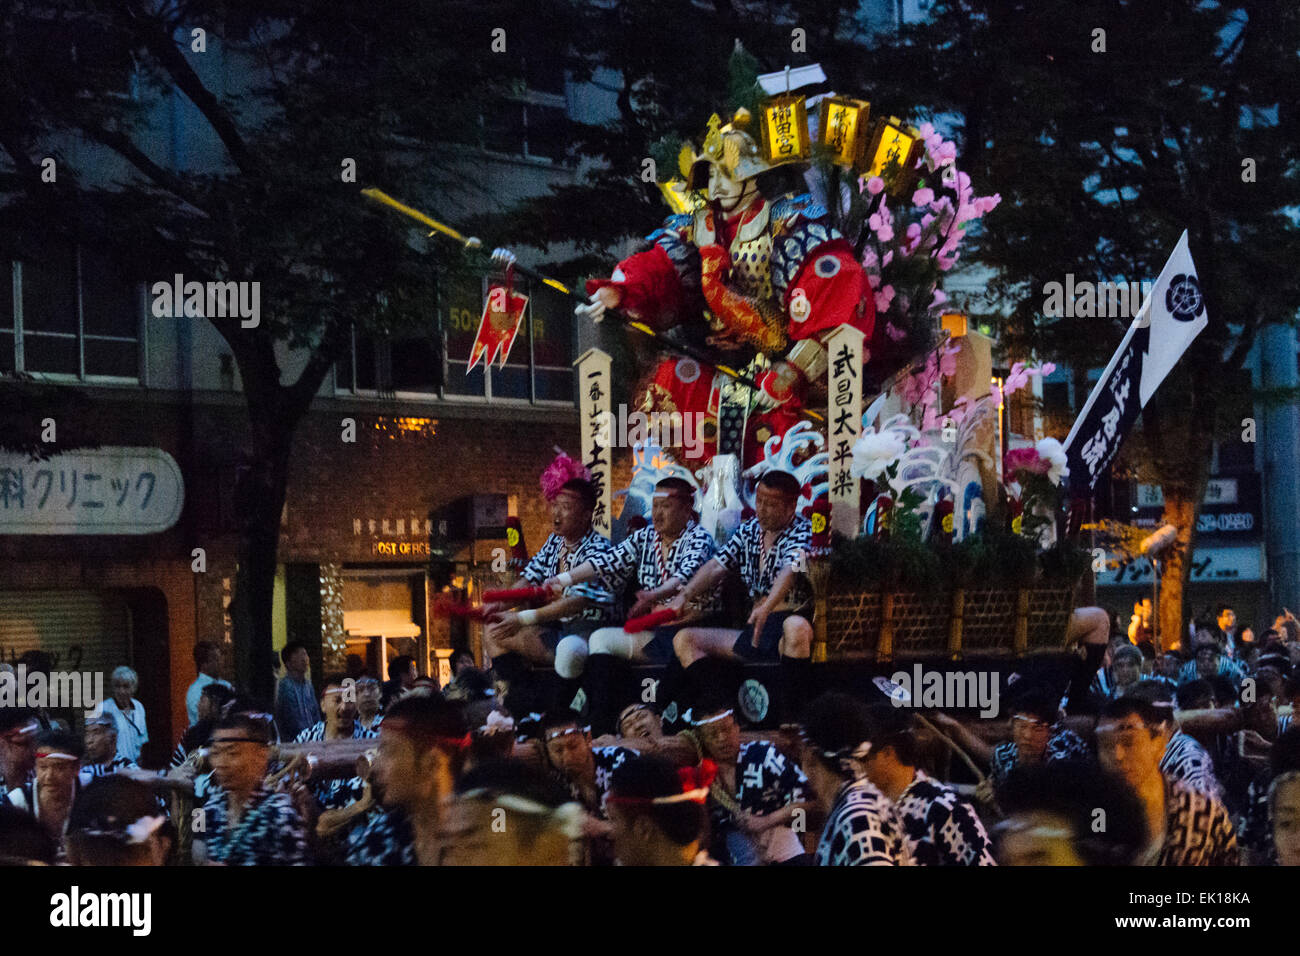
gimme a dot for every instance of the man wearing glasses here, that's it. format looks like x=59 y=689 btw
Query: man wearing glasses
x=1035 y=739
x=244 y=824
x=1187 y=827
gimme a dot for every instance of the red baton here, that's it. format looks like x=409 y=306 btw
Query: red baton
x=516 y=595
x=648 y=622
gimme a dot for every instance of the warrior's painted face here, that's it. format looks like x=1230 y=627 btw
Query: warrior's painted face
x=730 y=194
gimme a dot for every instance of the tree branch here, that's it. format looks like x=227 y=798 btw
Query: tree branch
x=152 y=33
x=121 y=144
x=323 y=357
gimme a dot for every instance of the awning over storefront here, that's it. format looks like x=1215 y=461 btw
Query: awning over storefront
x=382 y=623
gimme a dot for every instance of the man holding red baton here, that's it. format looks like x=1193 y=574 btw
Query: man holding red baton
x=770 y=552
x=534 y=634
x=661 y=558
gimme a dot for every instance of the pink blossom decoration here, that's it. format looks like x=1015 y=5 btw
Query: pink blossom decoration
x=1025 y=459
x=948 y=360
x=874 y=185
x=884 y=297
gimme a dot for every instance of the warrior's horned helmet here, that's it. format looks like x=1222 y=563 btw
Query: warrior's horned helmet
x=730 y=147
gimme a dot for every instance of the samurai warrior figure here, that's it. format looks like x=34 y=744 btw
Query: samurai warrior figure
x=757 y=272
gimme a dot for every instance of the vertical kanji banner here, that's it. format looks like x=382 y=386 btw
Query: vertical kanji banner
x=844 y=424
x=1172 y=316
x=595 y=409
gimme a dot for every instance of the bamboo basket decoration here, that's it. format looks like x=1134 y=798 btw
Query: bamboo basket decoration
x=873 y=625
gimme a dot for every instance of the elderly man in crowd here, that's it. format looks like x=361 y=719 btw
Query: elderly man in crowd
x=128 y=713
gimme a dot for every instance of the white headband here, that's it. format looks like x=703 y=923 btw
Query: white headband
x=567 y=816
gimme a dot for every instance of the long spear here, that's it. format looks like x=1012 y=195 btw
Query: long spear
x=472 y=242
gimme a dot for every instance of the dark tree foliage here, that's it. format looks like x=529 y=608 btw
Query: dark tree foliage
x=1103 y=159
x=400 y=88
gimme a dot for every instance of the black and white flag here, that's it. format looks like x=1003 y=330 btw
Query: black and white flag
x=1172 y=316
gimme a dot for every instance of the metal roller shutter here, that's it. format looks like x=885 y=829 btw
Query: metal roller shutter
x=80 y=630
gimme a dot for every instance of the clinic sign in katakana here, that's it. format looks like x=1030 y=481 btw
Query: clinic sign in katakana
x=102 y=491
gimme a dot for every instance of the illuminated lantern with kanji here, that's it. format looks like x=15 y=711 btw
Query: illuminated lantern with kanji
x=785 y=130
x=843 y=130
x=893 y=153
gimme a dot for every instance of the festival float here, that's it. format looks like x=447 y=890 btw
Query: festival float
x=791 y=303
x=835 y=358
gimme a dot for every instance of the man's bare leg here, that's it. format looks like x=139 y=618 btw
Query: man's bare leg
x=696 y=643
x=796 y=638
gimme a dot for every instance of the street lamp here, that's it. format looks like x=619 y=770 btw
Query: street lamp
x=954 y=323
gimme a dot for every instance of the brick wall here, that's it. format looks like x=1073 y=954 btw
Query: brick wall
x=333 y=485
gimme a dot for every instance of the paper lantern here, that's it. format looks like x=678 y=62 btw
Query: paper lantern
x=785 y=130
x=843 y=130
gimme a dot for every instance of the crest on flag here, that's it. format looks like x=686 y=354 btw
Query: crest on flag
x=1183 y=299
x=502 y=313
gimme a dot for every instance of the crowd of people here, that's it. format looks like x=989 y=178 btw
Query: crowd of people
x=1180 y=757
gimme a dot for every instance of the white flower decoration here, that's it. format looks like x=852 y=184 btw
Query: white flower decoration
x=1051 y=450
x=876 y=451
